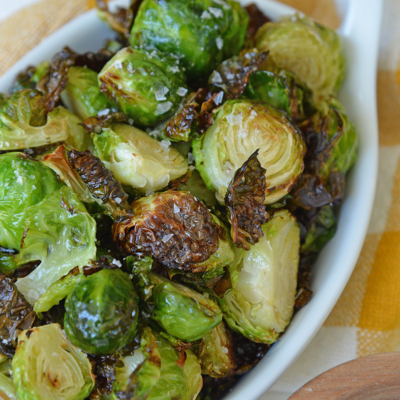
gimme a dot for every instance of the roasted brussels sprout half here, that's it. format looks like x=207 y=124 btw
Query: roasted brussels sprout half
x=173 y=227
x=201 y=33
x=61 y=234
x=182 y=312
x=46 y=366
x=146 y=85
x=178 y=378
x=138 y=160
x=261 y=301
x=215 y=352
x=309 y=50
x=24 y=123
x=240 y=128
x=82 y=93
x=102 y=312
x=23 y=183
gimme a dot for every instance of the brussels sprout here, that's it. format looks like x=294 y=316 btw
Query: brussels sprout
x=138 y=160
x=215 y=353
x=175 y=381
x=30 y=78
x=282 y=91
x=3 y=99
x=86 y=175
x=146 y=86
x=57 y=292
x=173 y=227
x=46 y=366
x=101 y=312
x=23 y=183
x=182 y=312
x=309 y=50
x=7 y=264
x=82 y=93
x=240 y=128
x=261 y=301
x=61 y=234
x=7 y=390
x=201 y=33
x=23 y=124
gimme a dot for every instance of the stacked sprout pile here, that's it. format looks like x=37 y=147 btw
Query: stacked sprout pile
x=162 y=200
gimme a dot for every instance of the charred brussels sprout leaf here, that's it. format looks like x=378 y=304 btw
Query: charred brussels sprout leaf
x=249 y=308
x=233 y=75
x=24 y=123
x=201 y=33
x=101 y=312
x=256 y=19
x=215 y=353
x=61 y=234
x=309 y=50
x=38 y=373
x=87 y=176
x=173 y=227
x=82 y=93
x=240 y=128
x=23 y=183
x=97 y=124
x=138 y=160
x=143 y=84
x=245 y=201
x=30 y=78
x=182 y=312
x=16 y=315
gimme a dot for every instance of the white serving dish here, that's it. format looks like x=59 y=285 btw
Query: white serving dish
x=360 y=33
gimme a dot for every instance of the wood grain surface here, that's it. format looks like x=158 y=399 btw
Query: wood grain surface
x=374 y=377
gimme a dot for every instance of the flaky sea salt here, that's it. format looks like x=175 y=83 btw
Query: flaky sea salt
x=216 y=12
x=220 y=42
x=176 y=209
x=149 y=193
x=182 y=91
x=205 y=15
x=167 y=237
x=165 y=144
x=116 y=262
x=118 y=64
x=161 y=92
x=103 y=113
x=162 y=108
x=235 y=119
x=191 y=158
x=216 y=78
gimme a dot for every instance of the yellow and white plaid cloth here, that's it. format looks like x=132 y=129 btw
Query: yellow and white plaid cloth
x=366 y=319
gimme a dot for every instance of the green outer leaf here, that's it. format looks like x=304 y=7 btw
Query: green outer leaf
x=309 y=50
x=23 y=183
x=38 y=355
x=101 y=312
x=82 y=94
x=7 y=264
x=57 y=292
x=264 y=279
x=61 y=234
x=198 y=153
x=178 y=27
x=182 y=312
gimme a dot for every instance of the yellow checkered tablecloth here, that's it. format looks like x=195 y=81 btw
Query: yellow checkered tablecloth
x=366 y=319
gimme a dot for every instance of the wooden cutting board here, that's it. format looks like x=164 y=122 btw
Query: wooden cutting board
x=374 y=377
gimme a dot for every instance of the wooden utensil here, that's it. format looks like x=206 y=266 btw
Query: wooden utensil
x=374 y=377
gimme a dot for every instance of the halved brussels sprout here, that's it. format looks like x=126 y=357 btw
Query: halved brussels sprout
x=143 y=84
x=23 y=183
x=82 y=93
x=61 y=234
x=215 y=352
x=309 y=50
x=23 y=124
x=240 y=128
x=173 y=227
x=264 y=279
x=46 y=366
x=182 y=312
x=102 y=312
x=138 y=160
x=201 y=33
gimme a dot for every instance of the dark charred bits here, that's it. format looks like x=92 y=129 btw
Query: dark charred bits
x=173 y=227
x=104 y=369
x=16 y=315
x=256 y=21
x=97 y=124
x=245 y=201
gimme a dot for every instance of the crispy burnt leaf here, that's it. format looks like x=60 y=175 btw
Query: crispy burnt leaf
x=56 y=78
x=180 y=181
x=304 y=293
x=179 y=127
x=16 y=315
x=245 y=201
x=102 y=263
x=103 y=367
x=257 y=19
x=122 y=19
x=97 y=124
x=173 y=227
x=232 y=75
